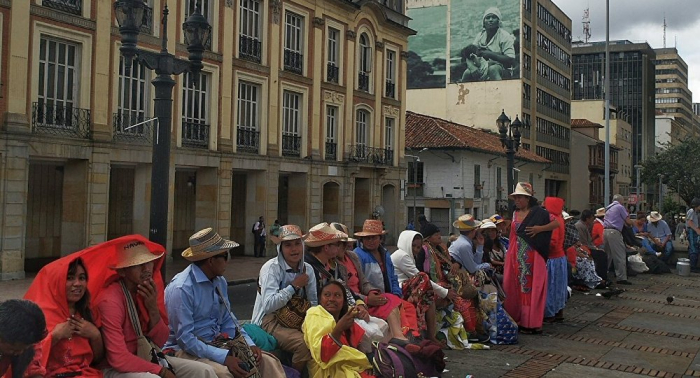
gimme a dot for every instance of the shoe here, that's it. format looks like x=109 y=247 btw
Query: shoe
x=624 y=282
x=477 y=338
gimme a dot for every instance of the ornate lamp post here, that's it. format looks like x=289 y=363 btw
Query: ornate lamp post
x=130 y=15
x=510 y=140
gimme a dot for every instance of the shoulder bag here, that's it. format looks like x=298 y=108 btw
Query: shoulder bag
x=294 y=311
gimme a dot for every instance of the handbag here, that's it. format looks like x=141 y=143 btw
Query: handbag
x=145 y=348
x=292 y=314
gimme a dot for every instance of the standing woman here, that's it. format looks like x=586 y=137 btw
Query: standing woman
x=557 y=273
x=74 y=343
x=525 y=273
x=282 y=279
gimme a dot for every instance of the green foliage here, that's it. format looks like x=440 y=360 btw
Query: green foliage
x=670 y=206
x=680 y=167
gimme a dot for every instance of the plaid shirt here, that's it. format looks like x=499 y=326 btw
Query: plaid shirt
x=570 y=235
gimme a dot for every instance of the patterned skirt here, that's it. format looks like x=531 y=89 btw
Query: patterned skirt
x=557 y=292
x=419 y=292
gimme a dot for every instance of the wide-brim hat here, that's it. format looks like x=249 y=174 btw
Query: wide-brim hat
x=323 y=234
x=566 y=215
x=289 y=232
x=600 y=212
x=487 y=224
x=371 y=227
x=466 y=222
x=344 y=229
x=496 y=219
x=205 y=244
x=523 y=189
x=133 y=253
x=654 y=216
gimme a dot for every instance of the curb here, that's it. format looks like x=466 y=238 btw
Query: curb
x=241 y=281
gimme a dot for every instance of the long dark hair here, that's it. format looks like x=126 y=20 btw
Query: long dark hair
x=344 y=308
x=21 y=322
x=82 y=306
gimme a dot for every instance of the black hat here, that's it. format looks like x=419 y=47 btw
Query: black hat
x=429 y=230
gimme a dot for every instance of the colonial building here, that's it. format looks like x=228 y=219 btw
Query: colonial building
x=455 y=169
x=298 y=115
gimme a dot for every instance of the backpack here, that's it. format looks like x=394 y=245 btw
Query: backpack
x=394 y=361
x=253 y=229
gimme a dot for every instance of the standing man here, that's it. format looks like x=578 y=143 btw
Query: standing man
x=199 y=311
x=616 y=217
x=660 y=234
x=22 y=325
x=259 y=237
x=462 y=250
x=692 y=220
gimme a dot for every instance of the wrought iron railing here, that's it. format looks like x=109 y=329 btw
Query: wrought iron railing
x=333 y=73
x=291 y=145
x=248 y=140
x=363 y=154
x=124 y=132
x=390 y=89
x=250 y=49
x=293 y=61
x=331 y=151
x=363 y=81
x=195 y=134
x=68 y=6
x=60 y=120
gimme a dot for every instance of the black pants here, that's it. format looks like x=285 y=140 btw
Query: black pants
x=259 y=246
x=600 y=259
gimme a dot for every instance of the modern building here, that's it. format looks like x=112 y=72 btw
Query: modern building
x=455 y=169
x=632 y=86
x=673 y=98
x=529 y=78
x=298 y=115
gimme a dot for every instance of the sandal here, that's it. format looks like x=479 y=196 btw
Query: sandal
x=530 y=331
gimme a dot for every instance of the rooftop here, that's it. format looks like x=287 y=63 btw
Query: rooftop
x=582 y=123
x=425 y=131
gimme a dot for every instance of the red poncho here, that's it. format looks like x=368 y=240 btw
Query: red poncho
x=554 y=206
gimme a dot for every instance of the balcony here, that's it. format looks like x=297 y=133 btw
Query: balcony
x=390 y=89
x=331 y=151
x=248 y=141
x=596 y=159
x=293 y=62
x=250 y=49
x=363 y=81
x=333 y=73
x=68 y=6
x=123 y=132
x=195 y=135
x=378 y=156
x=291 y=145
x=60 y=120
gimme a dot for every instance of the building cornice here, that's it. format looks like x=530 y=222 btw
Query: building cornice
x=52 y=14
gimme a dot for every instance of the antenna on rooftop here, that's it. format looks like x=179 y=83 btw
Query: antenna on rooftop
x=586 y=25
x=664 y=30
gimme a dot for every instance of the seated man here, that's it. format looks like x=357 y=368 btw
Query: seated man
x=22 y=324
x=199 y=312
x=660 y=235
x=135 y=266
x=463 y=251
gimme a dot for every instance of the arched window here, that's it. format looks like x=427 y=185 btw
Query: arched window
x=365 y=64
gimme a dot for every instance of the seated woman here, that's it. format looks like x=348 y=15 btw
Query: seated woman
x=74 y=343
x=494 y=251
x=282 y=279
x=384 y=299
x=332 y=336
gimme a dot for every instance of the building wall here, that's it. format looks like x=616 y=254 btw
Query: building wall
x=673 y=98
x=220 y=182
x=580 y=182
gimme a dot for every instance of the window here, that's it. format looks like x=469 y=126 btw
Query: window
x=390 y=74
x=389 y=133
x=333 y=55
x=331 y=130
x=477 y=181
x=293 y=43
x=361 y=129
x=195 y=106
x=291 y=118
x=134 y=98
x=250 y=47
x=415 y=172
x=248 y=120
x=58 y=87
x=365 y=66
x=205 y=8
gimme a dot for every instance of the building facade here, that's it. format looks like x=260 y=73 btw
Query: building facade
x=673 y=98
x=455 y=169
x=298 y=115
x=536 y=88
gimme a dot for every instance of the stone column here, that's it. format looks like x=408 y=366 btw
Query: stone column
x=101 y=72
x=223 y=210
x=17 y=116
x=75 y=200
x=98 y=189
x=13 y=208
x=206 y=204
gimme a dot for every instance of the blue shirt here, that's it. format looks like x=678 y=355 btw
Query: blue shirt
x=462 y=250
x=660 y=230
x=373 y=271
x=196 y=311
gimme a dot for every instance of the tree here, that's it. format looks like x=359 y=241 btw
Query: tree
x=679 y=166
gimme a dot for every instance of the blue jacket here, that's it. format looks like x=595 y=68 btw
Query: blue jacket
x=388 y=282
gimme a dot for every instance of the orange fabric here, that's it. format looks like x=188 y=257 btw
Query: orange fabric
x=554 y=206
x=597 y=234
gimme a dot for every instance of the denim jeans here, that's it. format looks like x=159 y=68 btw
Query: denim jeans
x=693 y=247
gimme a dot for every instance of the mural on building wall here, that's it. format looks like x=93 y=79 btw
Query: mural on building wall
x=427 y=50
x=484 y=40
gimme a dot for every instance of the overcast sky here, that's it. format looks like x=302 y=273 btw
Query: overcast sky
x=642 y=20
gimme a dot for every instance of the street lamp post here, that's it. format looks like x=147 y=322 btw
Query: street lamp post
x=638 y=168
x=130 y=16
x=510 y=140
x=414 y=173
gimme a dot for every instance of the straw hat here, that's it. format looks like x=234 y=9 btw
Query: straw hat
x=566 y=216
x=523 y=189
x=496 y=219
x=322 y=234
x=487 y=224
x=466 y=222
x=344 y=229
x=654 y=216
x=207 y=243
x=133 y=253
x=600 y=212
x=289 y=232
x=371 y=227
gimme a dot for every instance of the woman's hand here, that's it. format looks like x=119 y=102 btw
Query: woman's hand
x=346 y=321
x=362 y=313
x=84 y=328
x=301 y=280
x=375 y=299
x=452 y=295
x=533 y=230
x=62 y=331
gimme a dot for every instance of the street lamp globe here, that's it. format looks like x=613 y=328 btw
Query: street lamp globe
x=503 y=122
x=129 y=15
x=197 y=33
x=515 y=128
